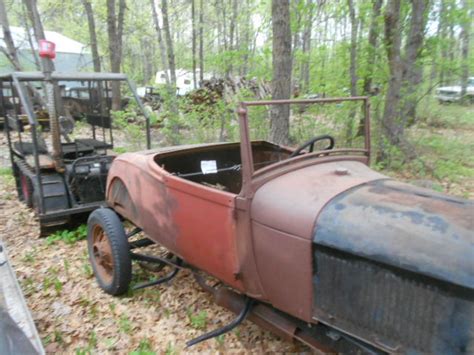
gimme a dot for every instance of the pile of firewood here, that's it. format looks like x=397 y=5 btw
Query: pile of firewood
x=213 y=90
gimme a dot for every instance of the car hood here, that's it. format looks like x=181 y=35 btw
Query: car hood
x=291 y=202
x=403 y=226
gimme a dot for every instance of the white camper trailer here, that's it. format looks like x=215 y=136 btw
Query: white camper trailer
x=184 y=80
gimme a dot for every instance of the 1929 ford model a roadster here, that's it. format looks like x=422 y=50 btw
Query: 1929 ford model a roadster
x=313 y=245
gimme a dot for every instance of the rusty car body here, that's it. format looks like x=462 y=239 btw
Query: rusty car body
x=315 y=246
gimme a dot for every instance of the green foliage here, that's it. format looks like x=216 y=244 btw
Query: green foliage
x=68 y=236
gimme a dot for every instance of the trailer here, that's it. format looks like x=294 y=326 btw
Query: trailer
x=63 y=176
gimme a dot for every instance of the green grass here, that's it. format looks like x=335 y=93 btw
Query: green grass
x=444 y=141
x=197 y=320
x=68 y=236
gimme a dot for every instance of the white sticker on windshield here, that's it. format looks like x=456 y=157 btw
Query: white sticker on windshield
x=208 y=166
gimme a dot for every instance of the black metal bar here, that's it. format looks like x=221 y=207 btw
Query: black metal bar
x=39 y=76
x=5 y=122
x=134 y=232
x=159 y=281
x=155 y=259
x=142 y=108
x=227 y=328
x=140 y=243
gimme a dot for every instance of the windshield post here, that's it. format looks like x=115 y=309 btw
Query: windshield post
x=245 y=151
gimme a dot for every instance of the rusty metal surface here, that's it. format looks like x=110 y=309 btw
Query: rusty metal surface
x=403 y=226
x=291 y=202
x=284 y=265
x=177 y=214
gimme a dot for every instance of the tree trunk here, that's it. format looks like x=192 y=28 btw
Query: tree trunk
x=304 y=75
x=352 y=70
x=92 y=34
x=46 y=63
x=281 y=83
x=232 y=36
x=353 y=61
x=193 y=20
x=201 y=41
x=391 y=129
x=464 y=36
x=115 y=30
x=169 y=44
x=372 y=49
x=54 y=105
x=393 y=121
x=413 y=72
x=245 y=65
x=371 y=56
x=10 y=51
x=444 y=47
x=161 y=44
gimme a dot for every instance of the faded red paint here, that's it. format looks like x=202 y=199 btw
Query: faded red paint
x=257 y=241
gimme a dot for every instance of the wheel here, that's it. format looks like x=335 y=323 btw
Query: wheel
x=109 y=251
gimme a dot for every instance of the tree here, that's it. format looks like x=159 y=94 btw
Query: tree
x=92 y=34
x=405 y=73
x=115 y=32
x=193 y=20
x=465 y=31
x=371 y=56
x=393 y=38
x=52 y=90
x=201 y=40
x=412 y=70
x=281 y=82
x=161 y=44
x=169 y=43
x=353 y=62
x=306 y=45
x=10 y=51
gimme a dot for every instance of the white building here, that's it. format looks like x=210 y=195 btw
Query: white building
x=70 y=54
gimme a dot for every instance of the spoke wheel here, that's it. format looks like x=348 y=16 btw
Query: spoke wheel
x=109 y=251
x=102 y=254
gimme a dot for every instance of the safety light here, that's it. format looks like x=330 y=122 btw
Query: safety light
x=47 y=49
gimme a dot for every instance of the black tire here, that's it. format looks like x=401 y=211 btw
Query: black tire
x=109 y=251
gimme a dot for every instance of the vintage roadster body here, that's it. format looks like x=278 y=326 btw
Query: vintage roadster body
x=330 y=252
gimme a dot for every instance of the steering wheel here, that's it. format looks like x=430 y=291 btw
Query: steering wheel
x=311 y=142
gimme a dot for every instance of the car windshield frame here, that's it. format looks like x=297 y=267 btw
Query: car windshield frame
x=249 y=175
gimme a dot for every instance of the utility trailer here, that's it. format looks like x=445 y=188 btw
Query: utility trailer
x=309 y=242
x=65 y=175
